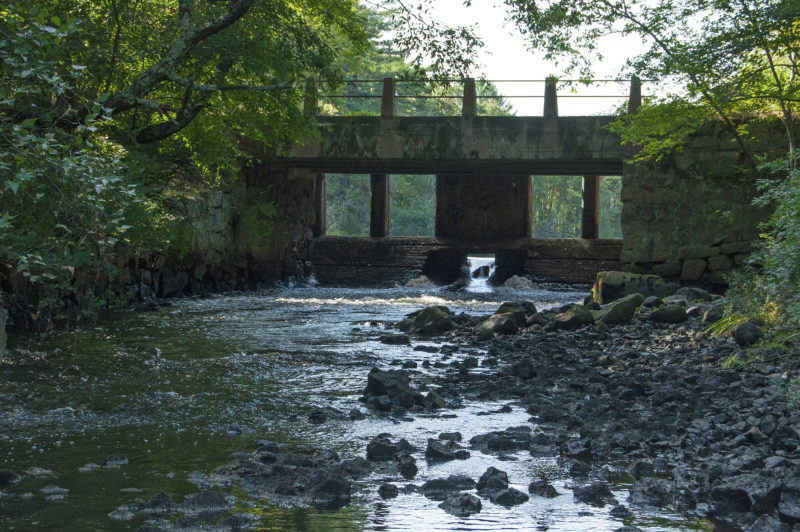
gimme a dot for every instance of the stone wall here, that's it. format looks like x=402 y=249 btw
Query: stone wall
x=690 y=215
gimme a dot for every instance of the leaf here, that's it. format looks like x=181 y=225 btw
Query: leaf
x=28 y=123
x=13 y=186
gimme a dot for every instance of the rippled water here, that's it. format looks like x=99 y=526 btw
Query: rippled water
x=184 y=388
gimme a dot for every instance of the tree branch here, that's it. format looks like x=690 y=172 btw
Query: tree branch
x=183 y=82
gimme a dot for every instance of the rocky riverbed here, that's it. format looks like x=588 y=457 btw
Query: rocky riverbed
x=638 y=408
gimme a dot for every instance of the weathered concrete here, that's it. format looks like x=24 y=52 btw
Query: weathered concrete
x=379 y=206
x=590 y=207
x=483 y=208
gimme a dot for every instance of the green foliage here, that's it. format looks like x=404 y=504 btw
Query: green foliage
x=348 y=207
x=413 y=205
x=557 y=207
x=770 y=287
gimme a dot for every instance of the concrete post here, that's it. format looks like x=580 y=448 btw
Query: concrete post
x=388 y=101
x=635 y=97
x=590 y=205
x=550 y=98
x=469 y=106
x=310 y=102
x=320 y=206
x=379 y=206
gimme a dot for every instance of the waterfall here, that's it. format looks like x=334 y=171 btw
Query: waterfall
x=481 y=268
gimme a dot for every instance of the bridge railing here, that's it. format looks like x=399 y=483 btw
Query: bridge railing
x=389 y=95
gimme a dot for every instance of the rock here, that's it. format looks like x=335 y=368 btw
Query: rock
x=523 y=284
x=620 y=311
x=574 y=318
x=512 y=439
x=652 y=302
x=497 y=323
x=381 y=448
x=611 y=285
x=577 y=449
x=438 y=451
x=747 y=333
x=355 y=414
x=391 y=388
x=160 y=504
x=462 y=505
x=693 y=294
x=620 y=512
x=578 y=468
x=542 y=488
x=317 y=416
x=789 y=503
x=431 y=321
x=450 y=436
x=7 y=478
x=509 y=497
x=442 y=488
x=597 y=493
x=649 y=491
x=388 y=491
x=492 y=481
x=330 y=494
x=671 y=313
x=519 y=309
x=766 y=523
x=641 y=469
x=115 y=460
x=713 y=314
x=396 y=339
x=434 y=401
x=406 y=466
x=745 y=493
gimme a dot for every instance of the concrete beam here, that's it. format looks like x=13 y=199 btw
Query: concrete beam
x=590 y=207
x=379 y=215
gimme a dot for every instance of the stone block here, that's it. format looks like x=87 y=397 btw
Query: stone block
x=719 y=277
x=719 y=262
x=732 y=248
x=693 y=269
x=669 y=268
x=698 y=252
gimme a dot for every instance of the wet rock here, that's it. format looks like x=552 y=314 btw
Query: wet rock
x=649 y=491
x=620 y=512
x=693 y=293
x=578 y=468
x=388 y=491
x=577 y=449
x=462 y=505
x=396 y=339
x=330 y=494
x=508 y=497
x=542 y=488
x=7 y=478
x=160 y=504
x=317 y=416
x=611 y=285
x=767 y=523
x=641 y=469
x=497 y=324
x=434 y=401
x=429 y=321
x=596 y=494
x=747 y=333
x=438 y=451
x=671 y=313
x=450 y=436
x=745 y=493
x=406 y=466
x=381 y=448
x=442 y=488
x=512 y=439
x=492 y=481
x=207 y=505
x=355 y=414
x=652 y=302
x=266 y=445
x=789 y=503
x=620 y=311
x=575 y=318
x=391 y=388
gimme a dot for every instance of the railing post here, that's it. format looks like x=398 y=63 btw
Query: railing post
x=320 y=206
x=310 y=102
x=635 y=97
x=379 y=205
x=469 y=106
x=550 y=98
x=388 y=101
x=590 y=207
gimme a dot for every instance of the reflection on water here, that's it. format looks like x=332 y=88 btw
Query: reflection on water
x=184 y=388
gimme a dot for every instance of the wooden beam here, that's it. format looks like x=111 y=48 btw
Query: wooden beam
x=590 y=207
x=379 y=206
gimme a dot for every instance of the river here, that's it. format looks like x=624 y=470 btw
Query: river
x=182 y=389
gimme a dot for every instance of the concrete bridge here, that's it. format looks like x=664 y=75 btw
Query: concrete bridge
x=483 y=167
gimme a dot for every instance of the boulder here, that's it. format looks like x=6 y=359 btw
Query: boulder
x=391 y=388
x=462 y=505
x=406 y=466
x=766 y=523
x=519 y=309
x=745 y=493
x=597 y=493
x=439 y=451
x=497 y=323
x=330 y=494
x=428 y=321
x=396 y=339
x=542 y=488
x=713 y=314
x=694 y=294
x=574 y=318
x=650 y=491
x=620 y=311
x=672 y=313
x=509 y=497
x=442 y=488
x=388 y=491
x=610 y=286
x=492 y=481
x=747 y=333
x=789 y=503
x=7 y=478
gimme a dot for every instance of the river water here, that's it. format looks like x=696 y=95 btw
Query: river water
x=180 y=390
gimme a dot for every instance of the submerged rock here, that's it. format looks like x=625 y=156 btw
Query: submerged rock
x=388 y=389
x=492 y=481
x=597 y=493
x=330 y=494
x=442 y=488
x=509 y=497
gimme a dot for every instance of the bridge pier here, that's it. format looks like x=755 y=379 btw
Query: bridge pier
x=379 y=211
x=320 y=224
x=590 y=207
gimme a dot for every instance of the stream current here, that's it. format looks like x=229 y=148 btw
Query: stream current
x=183 y=389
